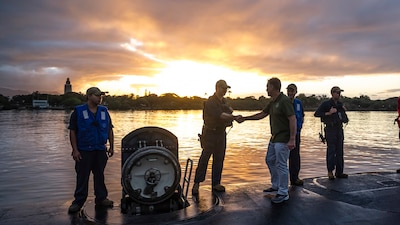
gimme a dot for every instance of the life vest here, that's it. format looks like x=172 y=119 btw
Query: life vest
x=92 y=132
x=299 y=112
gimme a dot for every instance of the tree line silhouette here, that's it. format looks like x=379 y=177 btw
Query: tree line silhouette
x=171 y=101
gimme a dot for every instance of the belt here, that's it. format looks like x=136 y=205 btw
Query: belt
x=213 y=129
x=334 y=125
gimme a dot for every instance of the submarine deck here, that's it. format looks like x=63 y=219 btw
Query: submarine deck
x=363 y=198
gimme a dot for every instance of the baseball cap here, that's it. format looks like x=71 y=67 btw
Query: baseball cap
x=222 y=83
x=94 y=91
x=292 y=86
x=336 y=88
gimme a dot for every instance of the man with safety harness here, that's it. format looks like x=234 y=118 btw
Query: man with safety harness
x=90 y=128
x=217 y=115
x=333 y=115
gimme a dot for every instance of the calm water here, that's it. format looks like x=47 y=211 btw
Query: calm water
x=35 y=161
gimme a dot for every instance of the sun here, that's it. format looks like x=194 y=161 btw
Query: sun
x=189 y=78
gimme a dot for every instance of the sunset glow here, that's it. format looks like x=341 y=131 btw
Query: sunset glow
x=138 y=47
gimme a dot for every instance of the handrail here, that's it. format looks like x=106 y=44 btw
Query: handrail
x=186 y=181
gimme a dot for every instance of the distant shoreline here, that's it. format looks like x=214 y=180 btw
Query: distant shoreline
x=160 y=109
x=172 y=101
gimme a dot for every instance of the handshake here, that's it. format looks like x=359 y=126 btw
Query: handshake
x=239 y=118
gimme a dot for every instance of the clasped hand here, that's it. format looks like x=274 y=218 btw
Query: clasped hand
x=238 y=118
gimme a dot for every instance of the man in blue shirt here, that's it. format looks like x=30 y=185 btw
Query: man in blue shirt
x=90 y=128
x=294 y=158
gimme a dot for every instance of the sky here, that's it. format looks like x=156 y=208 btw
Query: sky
x=185 y=46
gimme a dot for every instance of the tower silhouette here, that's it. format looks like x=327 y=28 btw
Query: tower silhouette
x=67 y=86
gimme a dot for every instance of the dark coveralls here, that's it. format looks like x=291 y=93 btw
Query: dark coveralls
x=294 y=157
x=334 y=134
x=92 y=134
x=213 y=139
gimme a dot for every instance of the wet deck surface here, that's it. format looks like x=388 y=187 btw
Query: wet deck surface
x=365 y=198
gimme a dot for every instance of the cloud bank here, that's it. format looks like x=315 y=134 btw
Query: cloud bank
x=42 y=41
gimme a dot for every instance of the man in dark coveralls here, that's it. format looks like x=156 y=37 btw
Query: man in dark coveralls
x=217 y=115
x=333 y=115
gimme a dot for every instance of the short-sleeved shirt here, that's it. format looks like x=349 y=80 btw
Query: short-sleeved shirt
x=212 y=110
x=279 y=110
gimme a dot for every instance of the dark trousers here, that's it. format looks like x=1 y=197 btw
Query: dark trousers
x=294 y=161
x=95 y=162
x=334 y=151
x=213 y=143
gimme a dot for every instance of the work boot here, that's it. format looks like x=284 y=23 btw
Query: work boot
x=343 y=175
x=298 y=182
x=330 y=176
x=106 y=203
x=270 y=190
x=195 y=189
x=74 y=208
x=219 y=188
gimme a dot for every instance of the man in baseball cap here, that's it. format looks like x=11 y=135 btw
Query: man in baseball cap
x=90 y=129
x=217 y=115
x=333 y=115
x=94 y=91
x=292 y=86
x=222 y=84
x=336 y=89
x=294 y=156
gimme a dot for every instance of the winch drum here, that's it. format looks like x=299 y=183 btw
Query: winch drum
x=151 y=175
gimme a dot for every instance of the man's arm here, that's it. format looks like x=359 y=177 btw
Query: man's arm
x=324 y=110
x=111 y=142
x=319 y=112
x=256 y=116
x=76 y=155
x=227 y=116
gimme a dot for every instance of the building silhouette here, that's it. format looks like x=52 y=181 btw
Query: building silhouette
x=67 y=86
x=40 y=103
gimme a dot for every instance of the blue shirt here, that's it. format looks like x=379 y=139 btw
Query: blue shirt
x=91 y=129
x=299 y=112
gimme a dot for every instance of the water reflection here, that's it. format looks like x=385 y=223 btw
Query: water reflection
x=36 y=164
